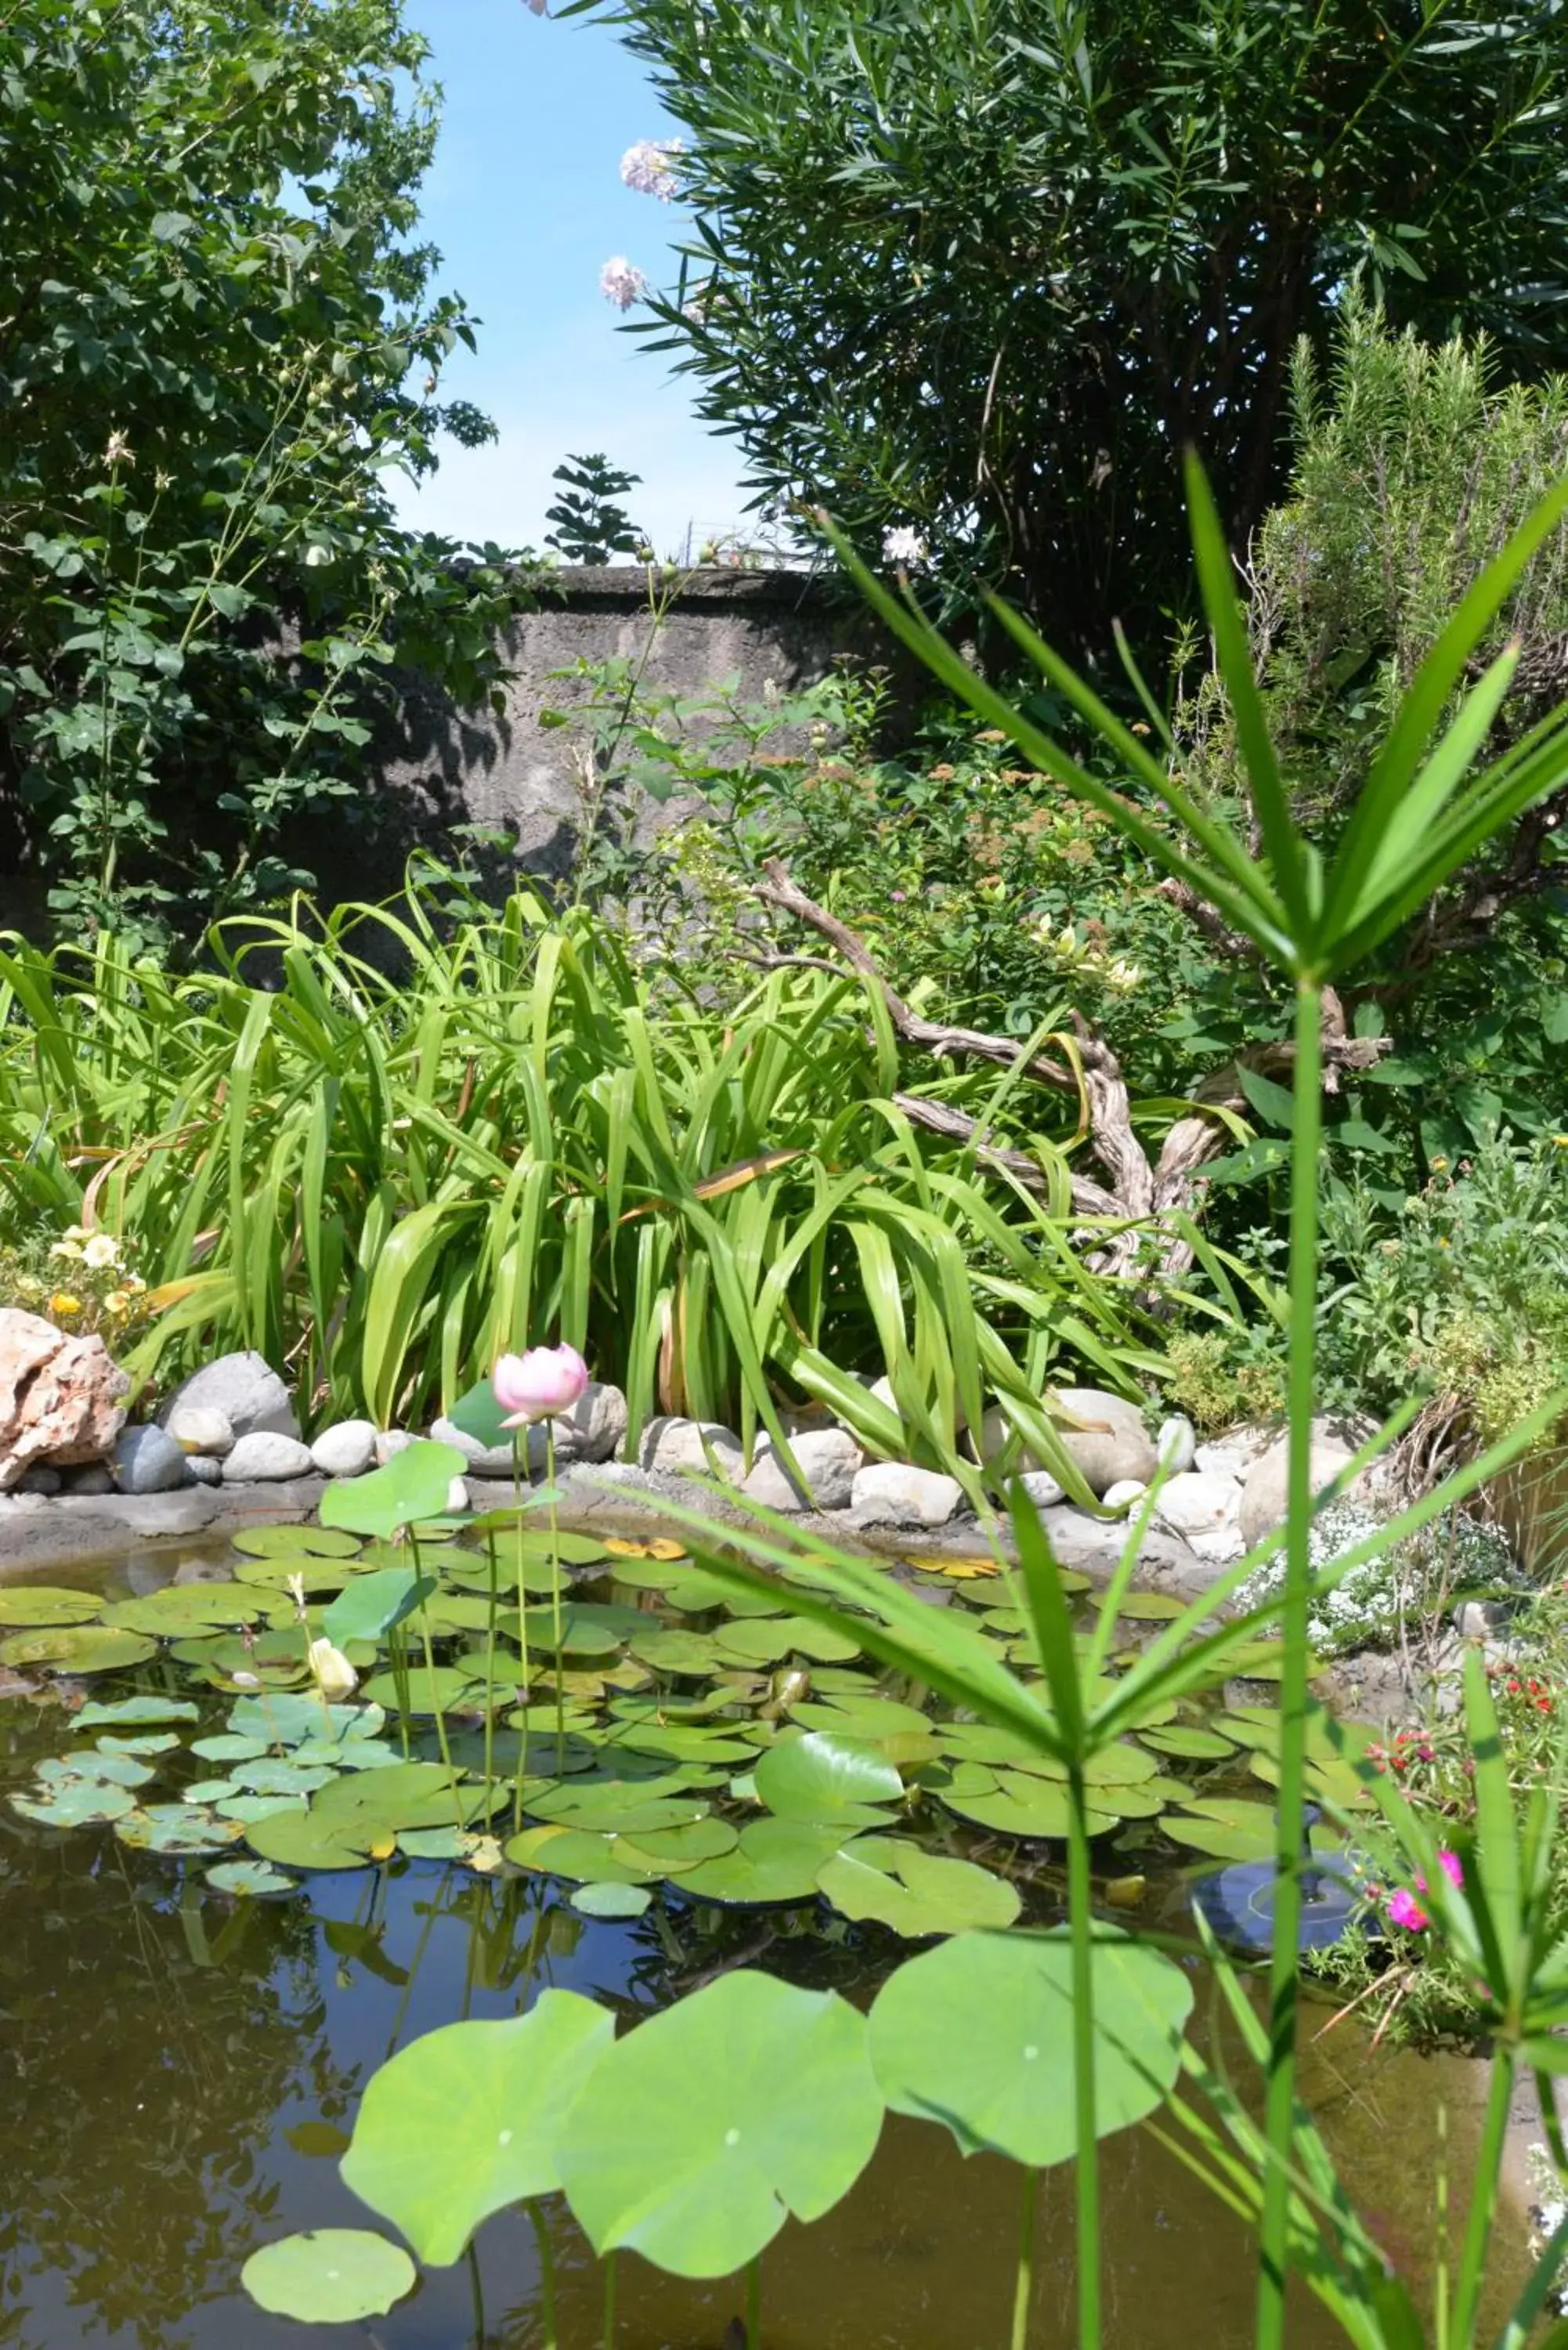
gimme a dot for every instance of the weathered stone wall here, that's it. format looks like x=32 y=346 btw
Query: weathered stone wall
x=444 y=768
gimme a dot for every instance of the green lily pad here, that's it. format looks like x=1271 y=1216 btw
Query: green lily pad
x=411 y=1486
x=226 y=1746
x=250 y=1878
x=162 y=1741
x=110 y=1765
x=1231 y=1829
x=449 y=1689
x=682 y=1846
x=693 y=1591
x=74 y=1804
x=438 y=1843
x=330 y=2276
x=286 y=1720
x=915 y=1892
x=699 y=2134
x=275 y=1775
x=611 y=1900
x=1144 y=1606
x=78 y=1649
x=176 y=1830
x=866 y=1718
x=319 y=1577
x=43 y=1603
x=127 y=1711
x=287 y=1542
x=765 y=1640
x=585 y=1631
x=681 y=1653
x=579 y=1852
x=298 y=1839
x=978 y=2035
x=184 y=1611
x=678 y=1743
x=816 y=1777
x=248 y=1808
x=1199 y=1745
x=1018 y=1806
x=775 y=1861
x=616 y=1804
x=405 y=1795
x=464 y=2121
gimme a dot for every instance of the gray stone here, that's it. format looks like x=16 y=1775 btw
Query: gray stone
x=200 y=1428
x=1105 y=1454
x=889 y=1493
x=1042 y=1488
x=693 y=1447
x=1232 y=1454
x=1333 y=1445
x=345 y=1450
x=97 y=1479
x=391 y=1442
x=201 y=1468
x=1199 y=1504
x=1483 y=1619
x=828 y=1459
x=148 y=1460
x=266 y=1457
x=485 y=1460
x=245 y=1389
x=39 y=1481
x=594 y=1430
x=1177 y=1445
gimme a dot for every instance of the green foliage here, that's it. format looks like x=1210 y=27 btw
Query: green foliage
x=590 y=525
x=1401 y=1590
x=388 y=1179
x=222 y=336
x=1011 y=256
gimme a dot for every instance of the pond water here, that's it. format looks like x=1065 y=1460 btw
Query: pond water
x=179 y=2071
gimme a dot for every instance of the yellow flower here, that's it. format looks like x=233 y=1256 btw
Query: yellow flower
x=1440 y=1166
x=62 y=1305
x=118 y=1302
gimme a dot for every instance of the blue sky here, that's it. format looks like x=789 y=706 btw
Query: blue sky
x=526 y=203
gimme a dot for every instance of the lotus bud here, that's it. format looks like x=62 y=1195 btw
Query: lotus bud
x=539 y=1385
x=330 y=1669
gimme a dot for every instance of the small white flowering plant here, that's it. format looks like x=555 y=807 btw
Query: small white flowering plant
x=83 y=1280
x=1397 y=1595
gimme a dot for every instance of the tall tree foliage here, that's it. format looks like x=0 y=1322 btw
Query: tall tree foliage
x=218 y=336
x=983 y=267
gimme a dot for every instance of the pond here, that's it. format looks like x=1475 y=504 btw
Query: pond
x=181 y=2066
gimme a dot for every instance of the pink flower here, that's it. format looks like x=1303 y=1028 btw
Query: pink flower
x=648 y=167
x=621 y=282
x=539 y=1385
x=1448 y=1862
x=1406 y=1911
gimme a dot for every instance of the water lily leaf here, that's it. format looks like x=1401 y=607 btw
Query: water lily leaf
x=1336 y=1783
x=1143 y=1606
x=317 y=1574
x=693 y=1591
x=763 y=1640
x=251 y=1879
x=373 y=1603
x=107 y=1764
x=405 y=1795
x=581 y=1854
x=257 y=1807
x=775 y=1861
x=585 y=1630
x=611 y=1900
x=182 y=1611
x=647 y=1574
x=438 y=1843
x=275 y=1775
x=74 y=1804
x=162 y=1741
x=866 y=1717
x=699 y=2133
x=464 y=2121
x=681 y=1847
x=833 y=1780
x=177 y=1830
x=210 y=1791
x=916 y=1893
x=1199 y=1745
x=45 y=1603
x=675 y=1652
x=225 y=1747
x=298 y=1839
x=330 y=2276
x=449 y=1689
x=287 y=1721
x=618 y=1804
x=1230 y=1828
x=1018 y=1806
x=287 y=1542
x=679 y=1742
x=660 y=1547
x=125 y=1710
x=960 y=1570
x=412 y=1485
x=533 y=1570
x=978 y=2034
x=78 y=1649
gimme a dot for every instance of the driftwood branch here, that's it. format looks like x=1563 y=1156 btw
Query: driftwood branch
x=1141 y=1191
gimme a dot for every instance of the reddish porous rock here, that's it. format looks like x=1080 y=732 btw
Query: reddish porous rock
x=59 y=1397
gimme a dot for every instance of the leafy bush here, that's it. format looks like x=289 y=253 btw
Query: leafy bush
x=1396 y=1593
x=387 y=1180
x=221 y=338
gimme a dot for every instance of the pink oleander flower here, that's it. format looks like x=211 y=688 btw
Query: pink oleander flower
x=621 y=282
x=1406 y=1911
x=539 y=1385
x=647 y=167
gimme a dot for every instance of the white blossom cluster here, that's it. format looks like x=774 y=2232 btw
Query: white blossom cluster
x=621 y=282
x=1366 y=1607
x=649 y=167
x=905 y=547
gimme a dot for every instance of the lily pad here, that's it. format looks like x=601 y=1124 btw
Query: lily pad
x=1017 y=1806
x=681 y=1653
x=251 y=1879
x=78 y=1649
x=1199 y=1745
x=405 y=1795
x=74 y=1804
x=611 y=1900
x=765 y=1640
x=616 y=1804
x=184 y=1611
x=412 y=1485
x=368 y=1608
x=298 y=1839
x=585 y=1857
x=1230 y=1828
x=449 y=1689
x=328 y=2277
x=45 y=1603
x=915 y=1892
x=775 y=1861
x=978 y=2035
x=127 y=1711
x=816 y=1777
x=867 y=1718
x=319 y=1576
x=464 y=2121
x=176 y=1830
x=285 y=1542
x=697 y=2135
x=226 y=1746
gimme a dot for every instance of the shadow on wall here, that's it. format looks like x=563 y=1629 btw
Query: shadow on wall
x=440 y=768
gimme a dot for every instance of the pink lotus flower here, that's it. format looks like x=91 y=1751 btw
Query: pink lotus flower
x=539 y=1385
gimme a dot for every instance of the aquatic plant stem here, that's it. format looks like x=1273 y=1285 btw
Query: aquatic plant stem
x=1087 y=2169
x=1483 y=2200
x=754 y=2304
x=555 y=1595
x=518 y=1441
x=546 y=2277
x=490 y=1675
x=435 y=1692
x=1025 y=2285
x=1284 y=1963
x=609 y=2301
x=476 y=2284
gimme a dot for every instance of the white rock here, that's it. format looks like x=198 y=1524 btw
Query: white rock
x=266 y=1457
x=1113 y=1448
x=389 y=1441
x=889 y=1493
x=1232 y=1454
x=828 y=1459
x=1042 y=1488
x=1333 y=1443
x=148 y=1460
x=202 y=1470
x=1124 y=1492
x=1197 y=1503
x=201 y=1428
x=456 y=1498
x=677 y=1447
x=345 y=1450
x=1177 y=1445
x=245 y=1389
